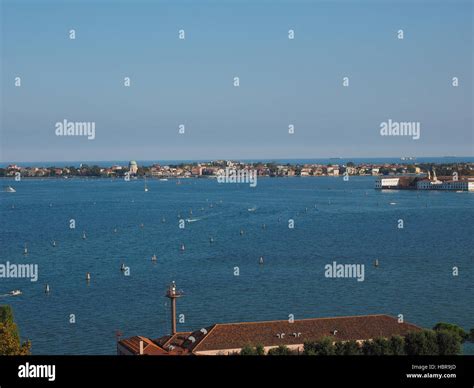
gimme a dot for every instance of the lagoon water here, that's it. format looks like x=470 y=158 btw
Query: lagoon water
x=347 y=222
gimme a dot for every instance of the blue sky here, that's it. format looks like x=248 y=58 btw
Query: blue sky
x=191 y=82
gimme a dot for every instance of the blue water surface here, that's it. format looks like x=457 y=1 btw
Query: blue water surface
x=335 y=220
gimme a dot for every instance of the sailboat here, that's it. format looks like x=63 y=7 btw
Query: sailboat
x=146 y=187
x=84 y=235
x=10 y=189
x=25 y=250
x=153 y=258
x=261 y=260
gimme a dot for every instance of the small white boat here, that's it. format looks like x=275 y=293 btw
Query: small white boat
x=15 y=293
x=393 y=203
x=46 y=289
x=84 y=235
x=164 y=180
x=252 y=209
x=25 y=250
x=10 y=189
x=88 y=277
x=146 y=187
x=261 y=261
x=153 y=258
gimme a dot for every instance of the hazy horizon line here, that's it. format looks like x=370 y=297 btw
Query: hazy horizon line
x=266 y=159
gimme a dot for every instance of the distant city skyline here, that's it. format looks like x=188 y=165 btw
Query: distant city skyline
x=190 y=82
x=293 y=161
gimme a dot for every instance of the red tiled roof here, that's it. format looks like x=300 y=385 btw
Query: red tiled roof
x=273 y=333
x=149 y=347
x=238 y=335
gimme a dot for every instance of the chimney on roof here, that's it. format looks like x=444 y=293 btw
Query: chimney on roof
x=173 y=294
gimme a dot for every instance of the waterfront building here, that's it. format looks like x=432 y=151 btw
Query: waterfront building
x=458 y=185
x=351 y=170
x=306 y=172
x=197 y=170
x=387 y=183
x=430 y=182
x=133 y=167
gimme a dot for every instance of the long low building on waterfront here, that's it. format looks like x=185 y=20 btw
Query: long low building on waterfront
x=230 y=338
x=425 y=183
x=457 y=185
